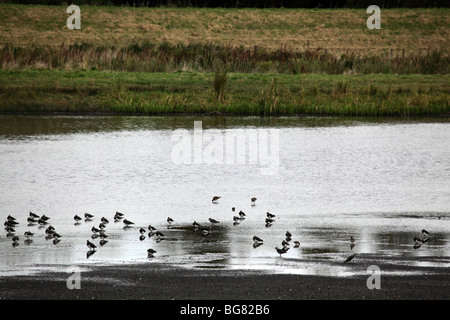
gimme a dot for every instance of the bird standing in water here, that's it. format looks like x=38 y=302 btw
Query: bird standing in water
x=88 y=216
x=257 y=239
x=350 y=258
x=281 y=251
x=91 y=245
x=215 y=199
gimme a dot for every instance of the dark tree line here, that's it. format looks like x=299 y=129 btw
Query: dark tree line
x=248 y=3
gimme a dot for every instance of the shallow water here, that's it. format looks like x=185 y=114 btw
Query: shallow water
x=379 y=180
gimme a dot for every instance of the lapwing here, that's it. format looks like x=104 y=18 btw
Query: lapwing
x=215 y=199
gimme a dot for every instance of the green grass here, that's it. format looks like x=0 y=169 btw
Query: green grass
x=245 y=94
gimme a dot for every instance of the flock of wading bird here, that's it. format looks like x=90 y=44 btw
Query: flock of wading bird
x=100 y=232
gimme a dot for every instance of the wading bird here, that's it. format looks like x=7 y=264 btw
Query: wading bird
x=28 y=234
x=257 y=239
x=88 y=216
x=215 y=199
x=269 y=215
x=34 y=215
x=213 y=221
x=90 y=245
x=350 y=258
x=281 y=251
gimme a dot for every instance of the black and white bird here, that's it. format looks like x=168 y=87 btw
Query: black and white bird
x=281 y=251
x=257 y=239
x=150 y=253
x=213 y=221
x=350 y=258
x=31 y=220
x=103 y=242
x=242 y=214
x=425 y=232
x=296 y=244
x=88 y=216
x=11 y=223
x=95 y=230
x=28 y=234
x=77 y=218
x=90 y=245
x=270 y=215
x=34 y=215
x=104 y=220
x=253 y=199
x=45 y=218
x=169 y=220
x=127 y=222
x=90 y=253
x=49 y=230
x=215 y=199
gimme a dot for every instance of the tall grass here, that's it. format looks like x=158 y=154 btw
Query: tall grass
x=219 y=83
x=200 y=57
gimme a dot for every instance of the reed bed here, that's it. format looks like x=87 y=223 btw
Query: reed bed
x=200 y=57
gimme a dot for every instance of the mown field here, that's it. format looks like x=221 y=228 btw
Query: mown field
x=232 y=61
x=337 y=30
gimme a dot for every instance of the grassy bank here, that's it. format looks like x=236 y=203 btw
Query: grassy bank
x=243 y=94
x=232 y=61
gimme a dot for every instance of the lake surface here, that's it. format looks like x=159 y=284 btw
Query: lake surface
x=325 y=179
